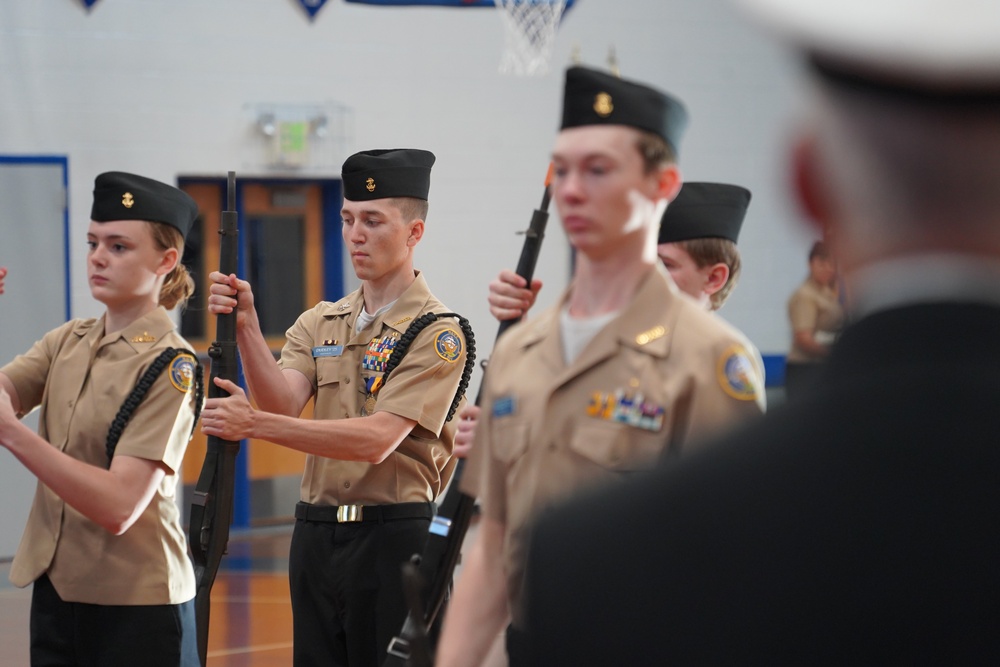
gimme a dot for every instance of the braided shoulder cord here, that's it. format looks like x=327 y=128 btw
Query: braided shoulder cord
x=416 y=326
x=133 y=400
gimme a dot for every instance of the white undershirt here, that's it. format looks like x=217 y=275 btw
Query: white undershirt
x=364 y=319
x=576 y=332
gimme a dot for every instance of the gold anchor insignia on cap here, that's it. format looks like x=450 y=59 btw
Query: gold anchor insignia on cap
x=651 y=335
x=146 y=337
x=370 y=184
x=127 y=200
x=603 y=105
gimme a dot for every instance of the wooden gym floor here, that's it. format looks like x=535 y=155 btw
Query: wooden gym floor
x=251 y=619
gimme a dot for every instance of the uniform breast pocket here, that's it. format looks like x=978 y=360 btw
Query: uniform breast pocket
x=327 y=371
x=616 y=446
x=508 y=440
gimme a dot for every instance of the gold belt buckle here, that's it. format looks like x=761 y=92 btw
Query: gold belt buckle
x=348 y=513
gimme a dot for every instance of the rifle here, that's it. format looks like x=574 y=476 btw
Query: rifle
x=212 y=505
x=411 y=647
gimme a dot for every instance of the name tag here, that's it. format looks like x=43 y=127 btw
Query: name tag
x=328 y=351
x=504 y=406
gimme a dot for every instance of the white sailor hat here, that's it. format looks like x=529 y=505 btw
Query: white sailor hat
x=936 y=47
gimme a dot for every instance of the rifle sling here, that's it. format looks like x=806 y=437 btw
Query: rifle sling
x=138 y=394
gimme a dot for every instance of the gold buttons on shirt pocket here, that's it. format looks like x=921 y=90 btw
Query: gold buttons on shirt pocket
x=327 y=370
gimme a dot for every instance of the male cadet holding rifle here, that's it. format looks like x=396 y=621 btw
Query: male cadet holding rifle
x=697 y=245
x=622 y=372
x=379 y=454
x=858 y=526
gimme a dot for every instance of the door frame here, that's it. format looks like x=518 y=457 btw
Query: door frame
x=331 y=190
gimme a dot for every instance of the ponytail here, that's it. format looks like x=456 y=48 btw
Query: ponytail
x=179 y=285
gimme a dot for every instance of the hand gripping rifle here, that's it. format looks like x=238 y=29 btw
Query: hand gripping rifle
x=212 y=505
x=411 y=647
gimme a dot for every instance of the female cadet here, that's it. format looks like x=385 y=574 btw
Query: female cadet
x=816 y=315
x=103 y=545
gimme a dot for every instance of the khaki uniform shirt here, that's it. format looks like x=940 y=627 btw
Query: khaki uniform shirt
x=661 y=375
x=342 y=366
x=80 y=377
x=814 y=307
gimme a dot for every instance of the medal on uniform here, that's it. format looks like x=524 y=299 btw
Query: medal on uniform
x=626 y=406
x=372 y=386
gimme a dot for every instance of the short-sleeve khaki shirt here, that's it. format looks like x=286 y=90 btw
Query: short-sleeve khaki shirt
x=342 y=366
x=80 y=377
x=816 y=308
x=660 y=376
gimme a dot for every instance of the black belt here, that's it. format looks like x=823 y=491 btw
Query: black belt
x=358 y=513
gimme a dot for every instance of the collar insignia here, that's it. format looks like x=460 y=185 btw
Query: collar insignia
x=146 y=337
x=649 y=336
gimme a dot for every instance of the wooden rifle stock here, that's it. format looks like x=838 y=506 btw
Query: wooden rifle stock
x=212 y=504
x=411 y=647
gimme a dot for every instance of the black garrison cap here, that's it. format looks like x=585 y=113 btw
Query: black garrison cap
x=705 y=210
x=122 y=196
x=592 y=97
x=378 y=174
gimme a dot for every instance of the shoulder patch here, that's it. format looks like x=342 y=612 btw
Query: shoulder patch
x=737 y=375
x=448 y=345
x=182 y=370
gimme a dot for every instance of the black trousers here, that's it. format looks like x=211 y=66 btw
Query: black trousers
x=75 y=633
x=346 y=589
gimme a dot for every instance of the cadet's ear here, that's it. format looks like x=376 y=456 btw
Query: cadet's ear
x=716 y=278
x=170 y=258
x=669 y=183
x=416 y=232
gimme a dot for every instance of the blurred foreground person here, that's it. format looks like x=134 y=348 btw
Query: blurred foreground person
x=857 y=525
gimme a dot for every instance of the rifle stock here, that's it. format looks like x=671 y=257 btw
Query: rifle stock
x=212 y=504
x=448 y=528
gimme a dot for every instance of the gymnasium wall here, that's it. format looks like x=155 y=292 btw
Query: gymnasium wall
x=163 y=89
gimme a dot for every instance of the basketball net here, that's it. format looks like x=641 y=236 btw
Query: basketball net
x=530 y=29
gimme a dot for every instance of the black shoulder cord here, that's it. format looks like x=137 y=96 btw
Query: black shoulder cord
x=139 y=393
x=416 y=326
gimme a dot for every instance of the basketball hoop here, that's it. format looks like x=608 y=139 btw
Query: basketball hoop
x=530 y=29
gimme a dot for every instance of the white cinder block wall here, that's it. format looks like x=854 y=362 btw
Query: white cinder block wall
x=160 y=87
